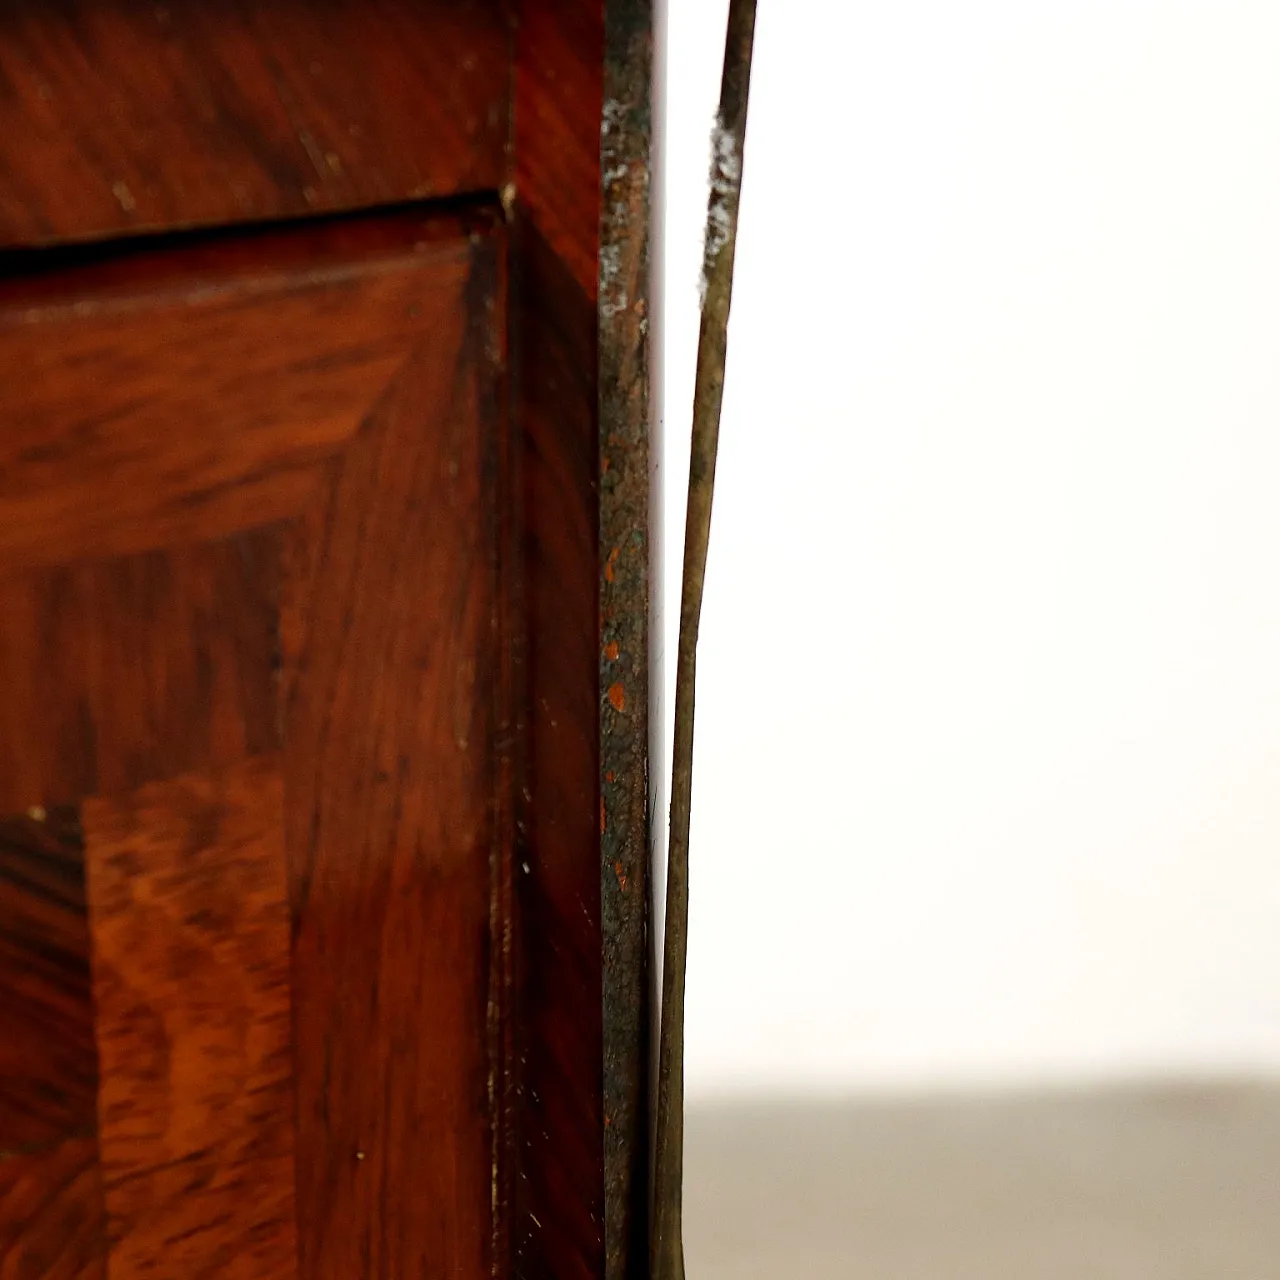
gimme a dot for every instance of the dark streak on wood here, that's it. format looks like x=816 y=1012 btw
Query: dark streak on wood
x=559 y=1219
x=48 y=1060
x=51 y=1219
x=510 y=770
x=558 y=1228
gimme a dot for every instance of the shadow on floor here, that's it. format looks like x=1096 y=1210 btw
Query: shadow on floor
x=1177 y=1183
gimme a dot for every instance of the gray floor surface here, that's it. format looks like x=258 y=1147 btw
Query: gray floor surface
x=1176 y=1183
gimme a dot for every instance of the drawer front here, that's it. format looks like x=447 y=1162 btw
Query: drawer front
x=249 y=581
x=118 y=117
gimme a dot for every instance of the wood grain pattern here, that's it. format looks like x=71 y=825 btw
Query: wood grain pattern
x=120 y=117
x=122 y=671
x=51 y=1219
x=560 y=1221
x=559 y=1197
x=389 y=637
x=559 y=104
x=188 y=394
x=191 y=980
x=360 y=638
x=440 y=730
x=48 y=1061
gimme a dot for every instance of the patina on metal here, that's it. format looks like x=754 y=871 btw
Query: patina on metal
x=717 y=288
x=627 y=456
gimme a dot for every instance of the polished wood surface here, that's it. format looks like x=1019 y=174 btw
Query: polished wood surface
x=389 y=660
x=279 y=743
x=267 y=353
x=128 y=669
x=302 y=641
x=119 y=117
x=559 y=1195
x=191 y=987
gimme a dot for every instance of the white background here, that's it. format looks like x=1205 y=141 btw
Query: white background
x=988 y=750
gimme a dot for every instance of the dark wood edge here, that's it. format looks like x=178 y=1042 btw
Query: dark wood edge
x=577 y=1182
x=508 y=762
x=321 y=246
x=630 y=683
x=556 y=1219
